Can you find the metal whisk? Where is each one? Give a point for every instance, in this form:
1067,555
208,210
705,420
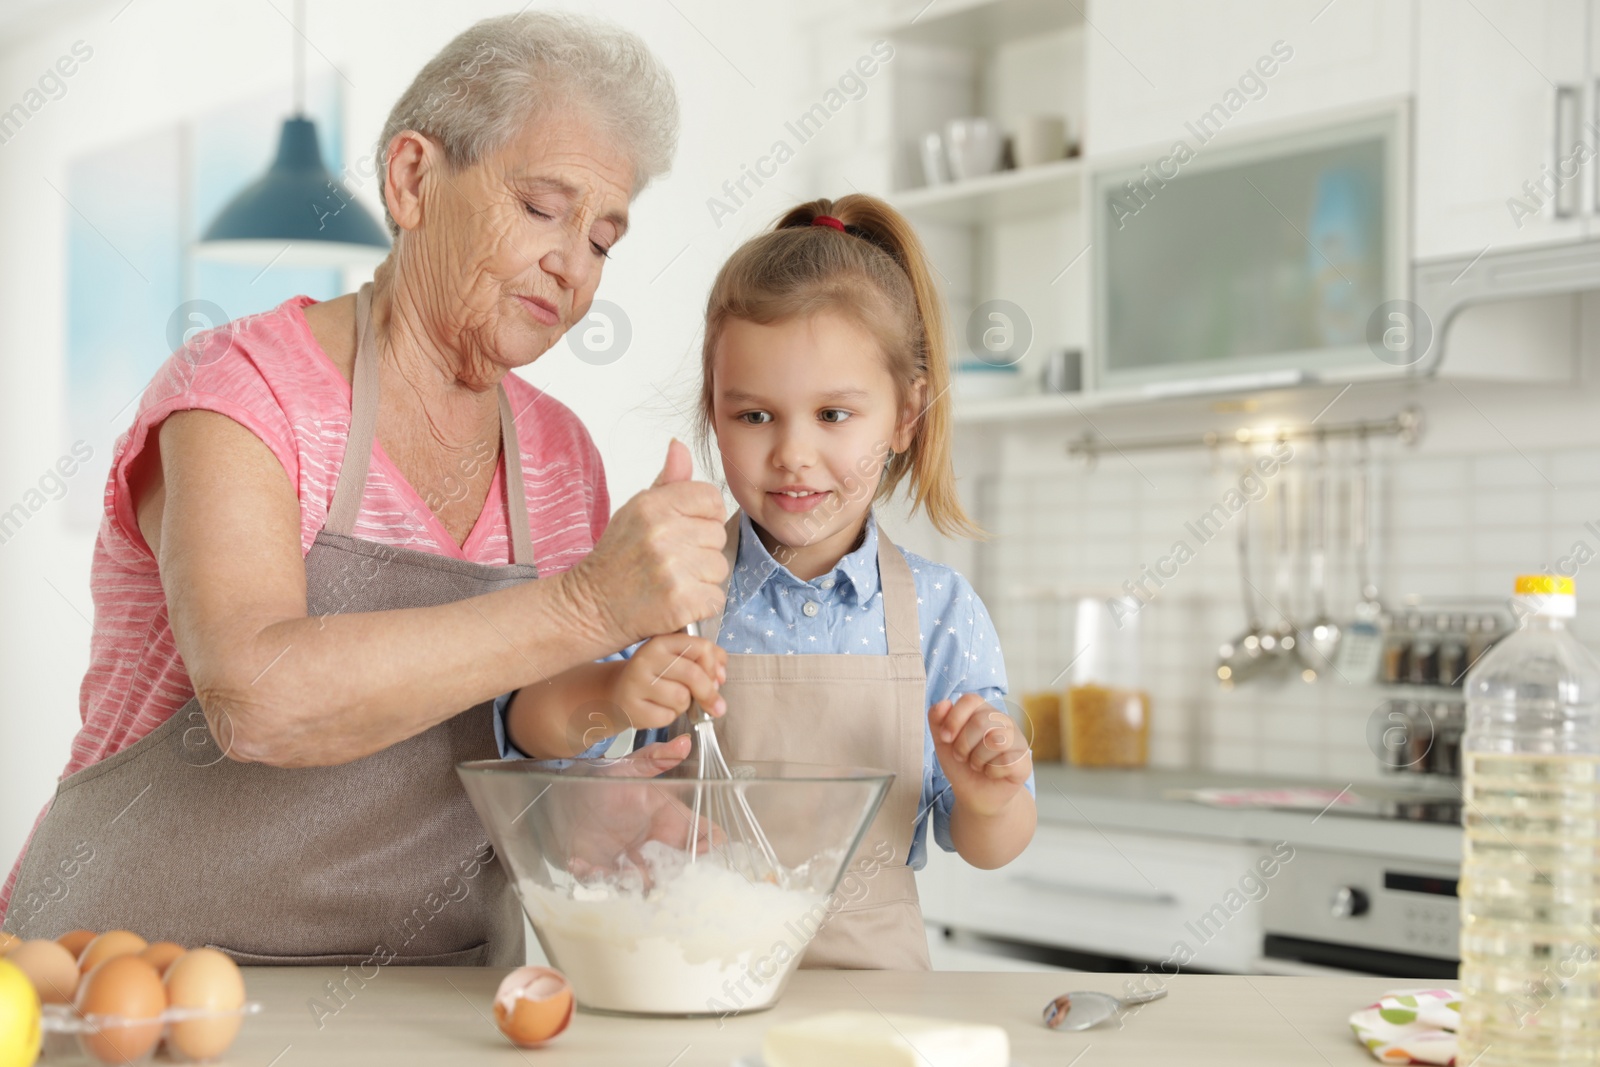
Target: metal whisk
746,846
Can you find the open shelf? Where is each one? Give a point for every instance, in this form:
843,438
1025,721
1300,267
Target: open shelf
1029,407
981,23
1035,407
1009,194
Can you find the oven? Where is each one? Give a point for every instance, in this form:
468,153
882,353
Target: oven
1347,912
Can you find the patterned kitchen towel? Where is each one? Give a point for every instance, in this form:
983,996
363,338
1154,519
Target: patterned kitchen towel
1411,1026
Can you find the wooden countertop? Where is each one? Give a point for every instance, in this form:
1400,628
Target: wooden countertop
442,1015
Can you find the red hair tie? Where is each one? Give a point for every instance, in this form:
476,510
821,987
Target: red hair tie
828,220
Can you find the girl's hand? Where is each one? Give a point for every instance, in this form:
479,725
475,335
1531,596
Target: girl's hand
655,686
982,751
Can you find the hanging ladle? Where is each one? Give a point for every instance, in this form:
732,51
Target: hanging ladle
1322,636
1244,655
1283,642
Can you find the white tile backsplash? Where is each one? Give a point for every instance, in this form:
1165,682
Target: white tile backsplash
1574,468
1449,528
1511,471
1428,510
1506,507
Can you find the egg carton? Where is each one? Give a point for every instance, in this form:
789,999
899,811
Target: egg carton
71,1039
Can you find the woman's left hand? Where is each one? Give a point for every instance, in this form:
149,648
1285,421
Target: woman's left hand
609,832
982,750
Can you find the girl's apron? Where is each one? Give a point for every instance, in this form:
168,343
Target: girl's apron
376,861
864,711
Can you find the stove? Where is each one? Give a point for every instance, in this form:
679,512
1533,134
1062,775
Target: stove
1425,803
1347,910
1440,810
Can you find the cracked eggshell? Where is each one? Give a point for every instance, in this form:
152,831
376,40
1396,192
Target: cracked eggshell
533,1005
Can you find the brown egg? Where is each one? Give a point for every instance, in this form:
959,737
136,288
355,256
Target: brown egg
160,953
533,1005
110,944
126,996
76,941
207,980
8,942
50,967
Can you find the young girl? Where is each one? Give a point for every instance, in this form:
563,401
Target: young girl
825,385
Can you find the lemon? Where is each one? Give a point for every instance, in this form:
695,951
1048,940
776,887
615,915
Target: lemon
19,1018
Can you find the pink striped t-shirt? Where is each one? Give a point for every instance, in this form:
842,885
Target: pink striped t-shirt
267,373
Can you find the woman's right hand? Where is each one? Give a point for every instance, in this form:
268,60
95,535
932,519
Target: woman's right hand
659,565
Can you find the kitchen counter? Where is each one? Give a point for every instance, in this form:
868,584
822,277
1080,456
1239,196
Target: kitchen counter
423,1015
1142,801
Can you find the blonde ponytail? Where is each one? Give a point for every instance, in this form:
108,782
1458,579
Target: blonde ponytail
877,272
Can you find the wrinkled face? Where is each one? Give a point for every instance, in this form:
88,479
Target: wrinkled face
806,413
507,253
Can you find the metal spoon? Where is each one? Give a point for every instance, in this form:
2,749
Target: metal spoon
1079,1011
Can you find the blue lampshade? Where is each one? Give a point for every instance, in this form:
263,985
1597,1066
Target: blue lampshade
298,202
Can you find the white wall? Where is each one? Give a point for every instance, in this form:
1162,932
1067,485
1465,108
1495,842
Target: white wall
155,62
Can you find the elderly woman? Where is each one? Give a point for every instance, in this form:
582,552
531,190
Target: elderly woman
321,535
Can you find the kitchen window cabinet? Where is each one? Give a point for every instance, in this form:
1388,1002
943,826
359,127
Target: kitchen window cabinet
1154,66
1505,92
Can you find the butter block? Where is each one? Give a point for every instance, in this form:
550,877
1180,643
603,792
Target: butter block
869,1039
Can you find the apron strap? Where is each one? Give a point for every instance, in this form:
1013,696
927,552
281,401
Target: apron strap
363,423
357,461
516,489
899,591
896,584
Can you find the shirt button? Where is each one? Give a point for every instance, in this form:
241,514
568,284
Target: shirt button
827,583
811,608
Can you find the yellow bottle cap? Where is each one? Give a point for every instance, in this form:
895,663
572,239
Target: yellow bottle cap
1543,585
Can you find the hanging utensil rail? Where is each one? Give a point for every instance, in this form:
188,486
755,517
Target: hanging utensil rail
1406,425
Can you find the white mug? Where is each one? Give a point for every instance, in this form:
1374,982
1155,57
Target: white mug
1039,139
973,146
935,170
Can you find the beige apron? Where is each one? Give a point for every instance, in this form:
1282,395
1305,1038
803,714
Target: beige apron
865,711
376,861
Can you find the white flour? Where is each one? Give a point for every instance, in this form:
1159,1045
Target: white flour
676,938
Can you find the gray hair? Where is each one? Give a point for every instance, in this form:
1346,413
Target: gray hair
484,86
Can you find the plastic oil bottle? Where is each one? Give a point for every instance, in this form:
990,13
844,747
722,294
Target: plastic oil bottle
1530,874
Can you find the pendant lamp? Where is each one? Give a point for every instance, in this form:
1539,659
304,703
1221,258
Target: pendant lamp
298,213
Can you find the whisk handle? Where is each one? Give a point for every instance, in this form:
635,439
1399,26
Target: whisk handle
696,713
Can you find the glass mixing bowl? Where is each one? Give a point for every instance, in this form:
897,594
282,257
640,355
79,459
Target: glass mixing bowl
645,917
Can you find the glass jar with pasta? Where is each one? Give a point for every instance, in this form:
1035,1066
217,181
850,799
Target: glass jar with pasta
1106,710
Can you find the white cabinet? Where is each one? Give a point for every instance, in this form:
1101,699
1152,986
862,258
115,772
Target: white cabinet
1503,94
1157,67
1195,903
